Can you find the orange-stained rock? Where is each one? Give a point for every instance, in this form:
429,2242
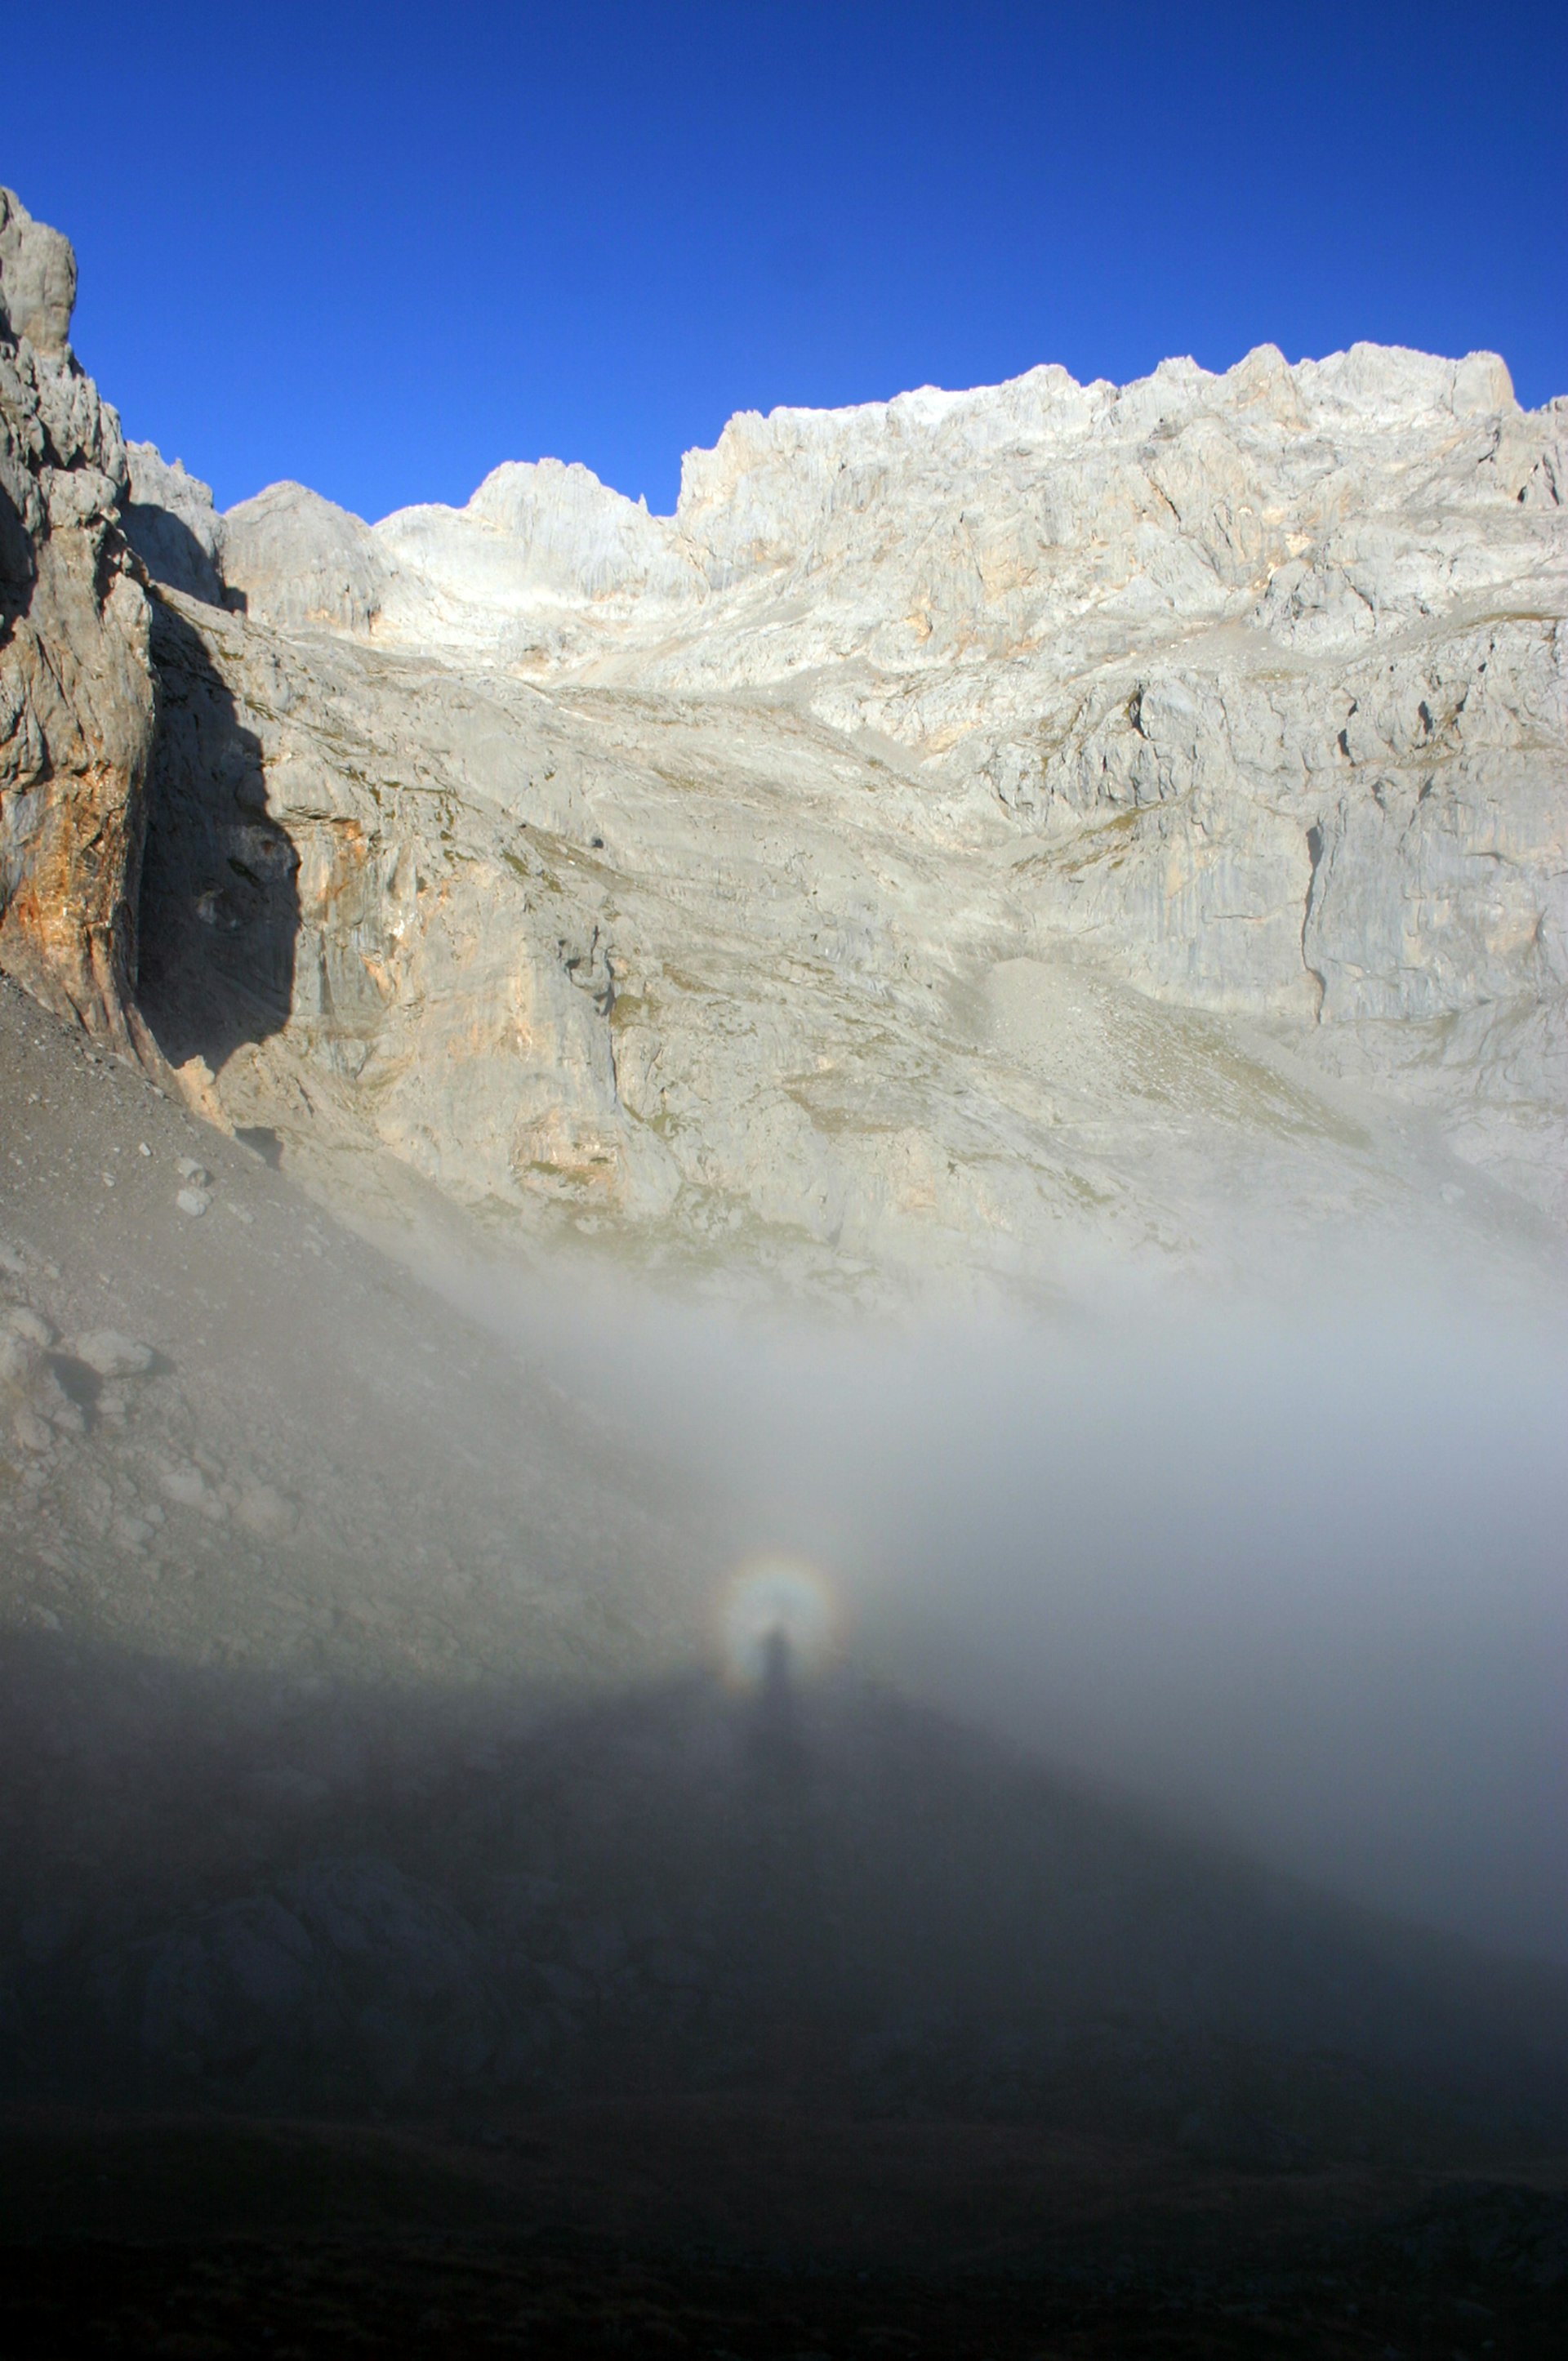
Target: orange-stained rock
76,681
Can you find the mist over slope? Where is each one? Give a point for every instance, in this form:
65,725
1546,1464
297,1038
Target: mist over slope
1293,1568
370,1738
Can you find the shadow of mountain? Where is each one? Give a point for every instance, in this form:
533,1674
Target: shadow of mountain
220,907
172,553
18,568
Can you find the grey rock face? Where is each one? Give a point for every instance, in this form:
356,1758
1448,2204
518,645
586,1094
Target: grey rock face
76,689
973,830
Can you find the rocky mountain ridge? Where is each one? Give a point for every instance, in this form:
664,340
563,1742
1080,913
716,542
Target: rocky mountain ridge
978,835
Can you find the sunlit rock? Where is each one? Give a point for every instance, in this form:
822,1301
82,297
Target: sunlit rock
975,831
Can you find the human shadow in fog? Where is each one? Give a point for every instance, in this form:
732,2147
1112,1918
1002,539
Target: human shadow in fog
219,914
785,1953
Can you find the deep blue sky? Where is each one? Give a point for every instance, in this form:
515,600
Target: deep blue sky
382,247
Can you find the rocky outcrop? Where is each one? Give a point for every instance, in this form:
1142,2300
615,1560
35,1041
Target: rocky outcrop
171,523
76,688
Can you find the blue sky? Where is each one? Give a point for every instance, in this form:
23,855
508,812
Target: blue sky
382,248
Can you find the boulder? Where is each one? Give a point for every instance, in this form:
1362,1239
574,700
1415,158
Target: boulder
110,1354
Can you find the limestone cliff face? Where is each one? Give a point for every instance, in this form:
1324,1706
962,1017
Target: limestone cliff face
1153,609
971,823
76,686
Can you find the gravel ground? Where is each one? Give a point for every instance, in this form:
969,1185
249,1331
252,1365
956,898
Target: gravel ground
233,1433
